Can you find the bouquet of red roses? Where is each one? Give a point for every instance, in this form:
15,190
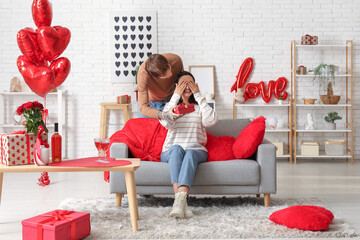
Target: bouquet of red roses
32,111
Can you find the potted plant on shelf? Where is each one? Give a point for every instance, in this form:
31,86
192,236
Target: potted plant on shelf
326,74
330,120
280,100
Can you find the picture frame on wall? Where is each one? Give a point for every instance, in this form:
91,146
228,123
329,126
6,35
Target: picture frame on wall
205,77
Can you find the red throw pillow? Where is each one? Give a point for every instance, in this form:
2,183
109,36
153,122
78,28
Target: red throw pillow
303,217
219,148
249,139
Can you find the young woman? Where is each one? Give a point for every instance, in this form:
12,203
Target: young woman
184,146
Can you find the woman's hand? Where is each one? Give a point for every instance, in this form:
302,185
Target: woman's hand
194,87
180,88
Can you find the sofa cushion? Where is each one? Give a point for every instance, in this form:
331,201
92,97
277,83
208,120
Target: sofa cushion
228,127
219,148
232,172
249,139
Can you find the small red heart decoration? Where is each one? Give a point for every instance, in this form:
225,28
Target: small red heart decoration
40,79
17,136
13,155
22,146
17,143
13,148
41,12
18,151
31,138
27,42
61,69
53,41
12,140
32,145
22,139
13,163
23,161
23,154
18,158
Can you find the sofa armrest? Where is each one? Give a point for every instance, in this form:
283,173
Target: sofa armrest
117,179
266,157
119,150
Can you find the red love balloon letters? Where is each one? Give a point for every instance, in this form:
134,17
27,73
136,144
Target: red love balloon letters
53,41
243,74
253,90
41,13
61,69
40,79
26,39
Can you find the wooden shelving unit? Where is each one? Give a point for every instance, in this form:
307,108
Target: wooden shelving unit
285,106
347,105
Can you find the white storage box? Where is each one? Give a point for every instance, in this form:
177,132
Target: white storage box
335,147
279,147
309,148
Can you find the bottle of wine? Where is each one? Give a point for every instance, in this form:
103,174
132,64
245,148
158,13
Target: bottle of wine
56,145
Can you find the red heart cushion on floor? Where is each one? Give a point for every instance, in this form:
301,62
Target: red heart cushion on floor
249,138
303,217
219,148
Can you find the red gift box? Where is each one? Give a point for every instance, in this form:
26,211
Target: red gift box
123,99
309,40
17,148
183,108
57,225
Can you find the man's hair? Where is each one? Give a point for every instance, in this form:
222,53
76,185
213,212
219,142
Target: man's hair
185,73
156,65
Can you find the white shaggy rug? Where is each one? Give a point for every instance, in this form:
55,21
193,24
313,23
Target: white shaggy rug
215,218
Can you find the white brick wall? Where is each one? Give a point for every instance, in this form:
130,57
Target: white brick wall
217,32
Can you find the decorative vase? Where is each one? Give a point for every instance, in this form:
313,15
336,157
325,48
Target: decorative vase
331,126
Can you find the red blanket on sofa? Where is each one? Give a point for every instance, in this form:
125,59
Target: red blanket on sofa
144,137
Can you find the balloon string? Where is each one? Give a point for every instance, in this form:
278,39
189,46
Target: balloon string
45,112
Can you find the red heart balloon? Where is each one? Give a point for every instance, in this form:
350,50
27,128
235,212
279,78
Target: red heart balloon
61,69
41,13
26,39
40,79
53,41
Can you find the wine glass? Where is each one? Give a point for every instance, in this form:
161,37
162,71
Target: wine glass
105,145
98,147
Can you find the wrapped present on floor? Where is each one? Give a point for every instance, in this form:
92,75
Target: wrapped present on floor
17,148
309,40
123,99
183,108
57,225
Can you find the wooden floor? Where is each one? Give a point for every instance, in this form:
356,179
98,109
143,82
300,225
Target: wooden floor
336,183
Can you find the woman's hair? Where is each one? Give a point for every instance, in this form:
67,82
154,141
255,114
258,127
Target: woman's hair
156,65
185,73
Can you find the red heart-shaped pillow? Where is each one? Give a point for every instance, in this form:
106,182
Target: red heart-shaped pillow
40,79
304,217
53,41
26,39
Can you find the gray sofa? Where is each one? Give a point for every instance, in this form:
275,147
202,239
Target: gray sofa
234,177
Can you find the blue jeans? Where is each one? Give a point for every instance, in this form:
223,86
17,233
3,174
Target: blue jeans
183,164
158,105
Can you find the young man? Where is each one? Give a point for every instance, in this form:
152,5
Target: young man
156,84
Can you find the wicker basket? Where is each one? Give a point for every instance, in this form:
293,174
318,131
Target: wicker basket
333,99
309,100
